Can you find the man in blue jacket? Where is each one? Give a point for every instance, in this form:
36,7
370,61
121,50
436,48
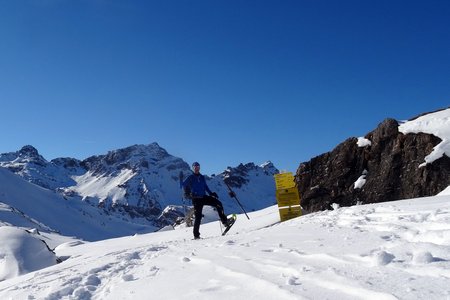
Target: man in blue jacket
195,188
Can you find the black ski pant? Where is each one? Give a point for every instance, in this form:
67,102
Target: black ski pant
198,209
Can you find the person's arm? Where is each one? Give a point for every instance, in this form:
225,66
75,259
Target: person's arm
214,194
186,182
186,186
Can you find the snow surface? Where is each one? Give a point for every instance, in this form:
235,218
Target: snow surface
445,192
103,187
363,142
393,250
438,124
361,181
22,252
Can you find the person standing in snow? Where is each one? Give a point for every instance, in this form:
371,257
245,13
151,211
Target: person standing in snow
195,188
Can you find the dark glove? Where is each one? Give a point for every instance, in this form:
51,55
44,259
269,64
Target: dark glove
214,194
232,194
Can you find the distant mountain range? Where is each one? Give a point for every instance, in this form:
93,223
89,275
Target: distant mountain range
135,189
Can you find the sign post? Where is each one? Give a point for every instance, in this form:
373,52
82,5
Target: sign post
287,196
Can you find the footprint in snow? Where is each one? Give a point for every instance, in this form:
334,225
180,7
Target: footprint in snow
156,248
133,255
154,270
292,280
92,280
128,277
389,237
268,250
81,293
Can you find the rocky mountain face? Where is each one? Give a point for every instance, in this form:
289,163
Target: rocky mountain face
254,184
29,164
384,168
140,181
23,204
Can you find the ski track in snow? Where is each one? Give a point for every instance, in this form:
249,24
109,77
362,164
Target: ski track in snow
389,251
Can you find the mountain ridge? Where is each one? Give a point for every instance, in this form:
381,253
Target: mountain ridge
139,183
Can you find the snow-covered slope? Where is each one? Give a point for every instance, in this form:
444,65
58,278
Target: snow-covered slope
438,124
21,252
29,164
395,250
144,176
24,204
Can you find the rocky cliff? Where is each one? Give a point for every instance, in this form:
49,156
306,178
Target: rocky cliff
385,165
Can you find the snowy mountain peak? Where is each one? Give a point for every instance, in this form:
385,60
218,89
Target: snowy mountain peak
136,152
29,164
133,158
29,151
269,167
28,154
240,175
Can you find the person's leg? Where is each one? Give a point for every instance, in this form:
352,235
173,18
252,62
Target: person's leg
214,202
198,208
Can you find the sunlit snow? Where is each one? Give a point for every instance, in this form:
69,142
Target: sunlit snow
438,124
394,250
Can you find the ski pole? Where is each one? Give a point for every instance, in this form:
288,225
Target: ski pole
237,200
181,177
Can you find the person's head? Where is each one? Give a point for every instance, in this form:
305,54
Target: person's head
196,167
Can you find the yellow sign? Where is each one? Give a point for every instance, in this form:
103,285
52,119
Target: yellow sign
290,212
288,197
284,180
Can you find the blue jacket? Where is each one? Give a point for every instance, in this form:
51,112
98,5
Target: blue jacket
196,185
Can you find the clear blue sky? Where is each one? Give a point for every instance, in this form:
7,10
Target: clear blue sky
219,82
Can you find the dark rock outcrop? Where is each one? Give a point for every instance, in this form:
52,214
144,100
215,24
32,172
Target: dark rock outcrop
390,164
